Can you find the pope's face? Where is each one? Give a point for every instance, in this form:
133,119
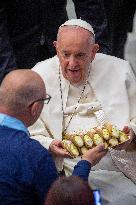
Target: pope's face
75,51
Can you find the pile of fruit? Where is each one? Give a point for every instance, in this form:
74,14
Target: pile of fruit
78,144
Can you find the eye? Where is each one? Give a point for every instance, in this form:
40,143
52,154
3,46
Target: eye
66,55
81,55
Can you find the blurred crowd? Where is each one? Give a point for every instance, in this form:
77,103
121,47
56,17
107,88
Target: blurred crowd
67,103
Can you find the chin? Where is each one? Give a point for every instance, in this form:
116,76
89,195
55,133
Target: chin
77,82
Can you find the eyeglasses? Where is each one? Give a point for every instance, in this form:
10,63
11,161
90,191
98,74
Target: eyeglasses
46,100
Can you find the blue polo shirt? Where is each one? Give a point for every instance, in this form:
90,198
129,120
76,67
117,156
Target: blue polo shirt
27,170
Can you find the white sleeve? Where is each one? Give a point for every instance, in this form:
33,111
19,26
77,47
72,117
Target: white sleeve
39,132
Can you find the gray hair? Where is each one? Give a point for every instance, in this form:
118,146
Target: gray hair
92,37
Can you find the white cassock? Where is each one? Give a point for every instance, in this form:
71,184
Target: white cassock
111,87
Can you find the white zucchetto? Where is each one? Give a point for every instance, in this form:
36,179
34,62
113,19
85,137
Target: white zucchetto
79,22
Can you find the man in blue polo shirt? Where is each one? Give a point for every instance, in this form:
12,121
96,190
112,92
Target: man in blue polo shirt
26,168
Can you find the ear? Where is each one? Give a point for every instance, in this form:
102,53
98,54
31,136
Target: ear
94,50
55,43
34,109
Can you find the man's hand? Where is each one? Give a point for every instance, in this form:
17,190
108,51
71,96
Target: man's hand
128,131
57,149
95,154
130,144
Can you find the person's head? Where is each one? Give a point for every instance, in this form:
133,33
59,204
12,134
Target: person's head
76,49
22,95
70,191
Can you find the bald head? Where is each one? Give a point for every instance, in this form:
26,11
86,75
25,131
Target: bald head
19,89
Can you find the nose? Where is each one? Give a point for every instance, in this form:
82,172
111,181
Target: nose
72,62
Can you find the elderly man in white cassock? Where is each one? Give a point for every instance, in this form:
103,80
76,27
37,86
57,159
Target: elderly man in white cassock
87,89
